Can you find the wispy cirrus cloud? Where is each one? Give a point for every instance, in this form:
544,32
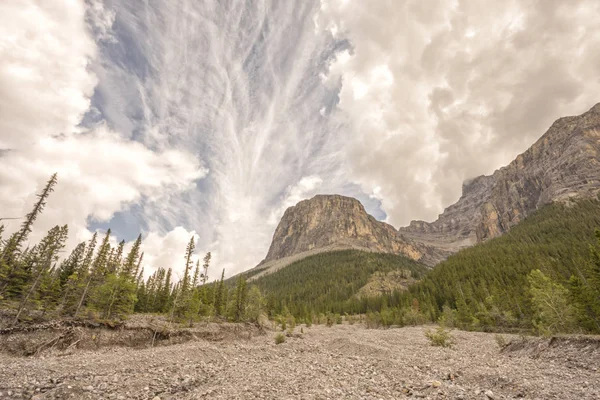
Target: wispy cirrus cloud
209,118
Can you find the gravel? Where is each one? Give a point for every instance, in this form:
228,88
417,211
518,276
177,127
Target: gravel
341,362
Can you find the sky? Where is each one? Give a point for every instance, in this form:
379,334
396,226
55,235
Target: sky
209,118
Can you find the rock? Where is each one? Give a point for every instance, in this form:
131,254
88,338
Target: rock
436,384
561,165
88,388
489,394
333,222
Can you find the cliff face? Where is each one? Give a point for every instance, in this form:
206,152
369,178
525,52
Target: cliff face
563,164
333,221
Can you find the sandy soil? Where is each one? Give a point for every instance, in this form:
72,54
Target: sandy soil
341,362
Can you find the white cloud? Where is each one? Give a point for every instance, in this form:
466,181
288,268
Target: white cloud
45,89
462,88
305,188
432,92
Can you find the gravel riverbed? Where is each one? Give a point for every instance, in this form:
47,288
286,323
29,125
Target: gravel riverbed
341,362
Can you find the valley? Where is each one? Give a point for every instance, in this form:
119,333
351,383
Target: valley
343,361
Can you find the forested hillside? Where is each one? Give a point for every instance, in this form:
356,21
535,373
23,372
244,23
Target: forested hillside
539,276
492,285
328,282
99,281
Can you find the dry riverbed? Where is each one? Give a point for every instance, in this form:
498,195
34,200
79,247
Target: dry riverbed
341,362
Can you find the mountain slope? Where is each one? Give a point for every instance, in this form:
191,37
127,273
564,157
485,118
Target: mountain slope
328,223
491,277
563,164
305,287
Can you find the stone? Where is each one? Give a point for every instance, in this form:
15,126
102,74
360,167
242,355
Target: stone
436,384
560,166
489,394
332,222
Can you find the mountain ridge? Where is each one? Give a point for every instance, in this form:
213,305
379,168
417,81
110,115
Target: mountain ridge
564,163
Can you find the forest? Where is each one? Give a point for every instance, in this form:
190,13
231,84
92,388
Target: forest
98,281
543,276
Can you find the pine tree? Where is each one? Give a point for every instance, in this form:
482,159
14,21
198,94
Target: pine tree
585,291
241,293
205,265
46,255
129,265
8,258
220,299
189,251
71,264
552,311
97,271
30,218
196,275
78,282
115,259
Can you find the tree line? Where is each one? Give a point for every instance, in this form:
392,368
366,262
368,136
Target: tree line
101,281
543,276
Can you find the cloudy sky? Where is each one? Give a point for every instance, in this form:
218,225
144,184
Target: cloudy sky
209,118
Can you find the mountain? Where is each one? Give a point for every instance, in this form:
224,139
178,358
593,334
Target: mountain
488,282
562,165
333,222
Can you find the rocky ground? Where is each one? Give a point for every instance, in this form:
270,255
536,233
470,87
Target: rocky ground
341,362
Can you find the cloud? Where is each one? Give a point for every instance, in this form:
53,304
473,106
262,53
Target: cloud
223,81
206,119
45,88
438,92
305,188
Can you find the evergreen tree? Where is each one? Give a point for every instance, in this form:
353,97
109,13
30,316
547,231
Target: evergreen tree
130,265
9,265
240,303
552,311
30,218
220,298
189,252
585,291
205,265
71,264
45,256
98,269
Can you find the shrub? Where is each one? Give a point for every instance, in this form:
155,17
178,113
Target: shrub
279,338
372,320
291,323
338,319
440,337
500,340
330,320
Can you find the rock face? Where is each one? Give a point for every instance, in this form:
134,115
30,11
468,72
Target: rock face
563,164
333,221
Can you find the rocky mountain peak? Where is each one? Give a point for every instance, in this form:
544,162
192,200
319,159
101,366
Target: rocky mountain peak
336,222
563,164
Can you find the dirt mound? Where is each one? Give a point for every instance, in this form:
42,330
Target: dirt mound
142,332
577,351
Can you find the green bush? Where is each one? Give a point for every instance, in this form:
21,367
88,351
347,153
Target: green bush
440,337
500,341
279,338
330,319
